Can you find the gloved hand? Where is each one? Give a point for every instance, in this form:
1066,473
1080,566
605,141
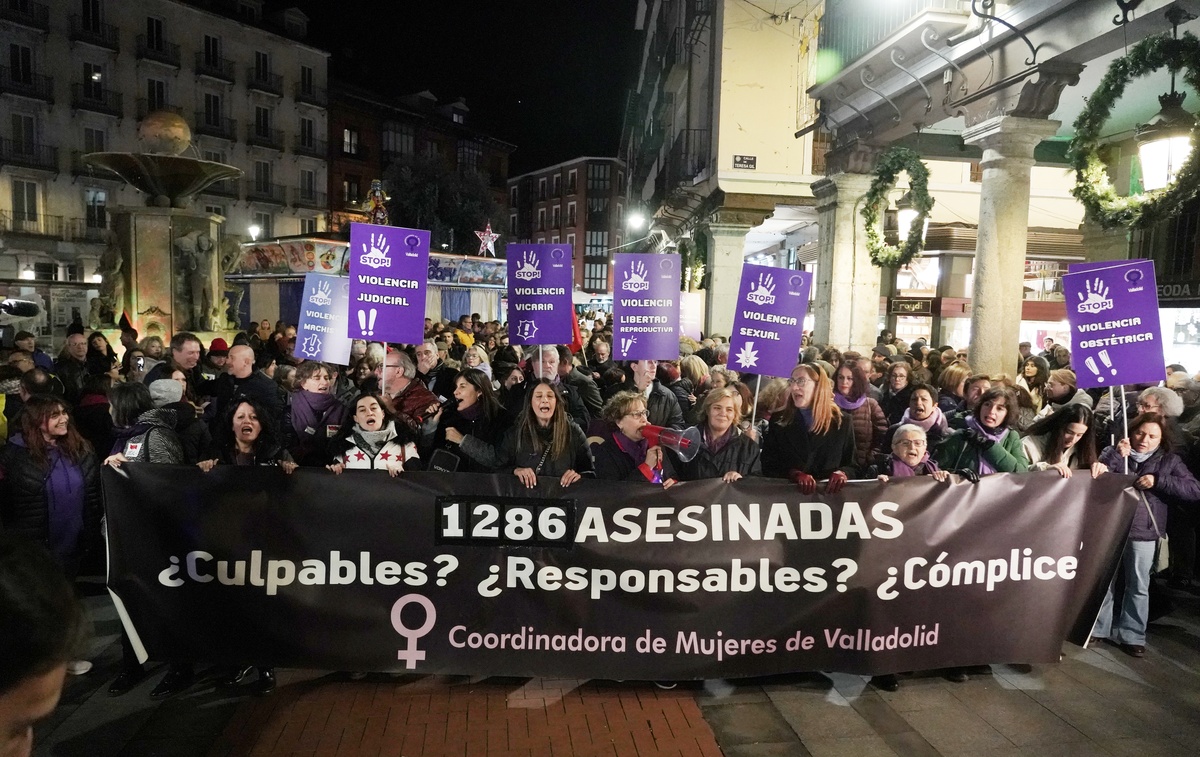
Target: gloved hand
804,482
968,474
978,439
837,480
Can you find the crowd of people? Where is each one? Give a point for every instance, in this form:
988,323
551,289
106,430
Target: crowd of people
466,400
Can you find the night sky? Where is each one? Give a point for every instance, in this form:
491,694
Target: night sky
546,75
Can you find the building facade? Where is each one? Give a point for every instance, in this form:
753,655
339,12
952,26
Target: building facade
580,202
82,75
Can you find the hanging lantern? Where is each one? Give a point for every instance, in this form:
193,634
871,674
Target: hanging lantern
1165,142
906,215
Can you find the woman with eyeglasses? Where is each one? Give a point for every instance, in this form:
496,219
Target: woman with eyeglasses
896,390
624,454
811,438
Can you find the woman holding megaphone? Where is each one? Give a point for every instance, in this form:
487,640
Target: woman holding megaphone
626,453
810,439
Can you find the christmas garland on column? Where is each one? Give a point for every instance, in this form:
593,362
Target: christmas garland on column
1092,186
890,164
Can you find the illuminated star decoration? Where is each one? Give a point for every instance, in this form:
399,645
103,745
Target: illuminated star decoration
487,240
747,357
312,345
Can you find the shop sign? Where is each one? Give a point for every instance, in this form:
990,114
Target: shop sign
912,306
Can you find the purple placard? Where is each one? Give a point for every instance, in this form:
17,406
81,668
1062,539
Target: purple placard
324,319
1115,333
645,306
389,267
769,320
540,280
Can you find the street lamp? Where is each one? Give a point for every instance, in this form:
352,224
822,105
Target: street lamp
27,273
1165,142
636,220
254,230
906,214
97,278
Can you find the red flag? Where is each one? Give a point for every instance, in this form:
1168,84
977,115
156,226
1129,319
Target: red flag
576,337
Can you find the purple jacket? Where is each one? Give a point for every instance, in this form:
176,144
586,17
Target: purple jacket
1173,485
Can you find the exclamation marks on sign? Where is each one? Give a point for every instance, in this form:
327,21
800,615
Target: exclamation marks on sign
1094,368
366,325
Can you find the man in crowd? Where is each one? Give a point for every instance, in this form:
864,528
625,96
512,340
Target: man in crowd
413,404
661,406
583,384
544,364
185,355
240,378
465,333
432,370
27,340
1048,349
71,368
40,623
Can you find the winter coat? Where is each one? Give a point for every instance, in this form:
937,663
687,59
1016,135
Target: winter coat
741,454
310,445
151,439
410,405
395,453
612,464
481,438
94,421
589,392
71,373
227,389
193,433
894,405
1036,450
1006,456
662,408
870,425
517,452
59,507
1174,486
795,448
1050,407
439,380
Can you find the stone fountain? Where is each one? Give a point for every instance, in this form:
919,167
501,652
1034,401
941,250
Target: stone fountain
164,267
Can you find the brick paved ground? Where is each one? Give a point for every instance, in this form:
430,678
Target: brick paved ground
435,716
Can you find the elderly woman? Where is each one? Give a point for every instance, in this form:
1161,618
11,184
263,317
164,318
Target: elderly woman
1064,441
987,444
896,391
314,416
910,456
1164,482
810,439
624,454
923,412
475,426
870,424
545,441
726,452
375,441
720,377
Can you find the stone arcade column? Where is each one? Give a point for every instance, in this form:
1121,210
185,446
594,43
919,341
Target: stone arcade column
846,292
1008,143
726,252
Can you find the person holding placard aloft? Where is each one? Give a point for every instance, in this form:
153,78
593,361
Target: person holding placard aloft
810,439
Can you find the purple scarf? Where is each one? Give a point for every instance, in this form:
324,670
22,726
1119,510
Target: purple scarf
715,445
996,435
848,404
901,469
471,413
315,411
936,418
636,451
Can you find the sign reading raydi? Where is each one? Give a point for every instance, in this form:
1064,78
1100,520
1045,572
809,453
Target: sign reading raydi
475,574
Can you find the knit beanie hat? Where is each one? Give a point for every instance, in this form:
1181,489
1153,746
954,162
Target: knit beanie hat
165,391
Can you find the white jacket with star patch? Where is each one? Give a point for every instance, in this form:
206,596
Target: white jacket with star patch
393,455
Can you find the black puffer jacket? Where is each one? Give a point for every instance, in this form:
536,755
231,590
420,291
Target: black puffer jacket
482,437
795,448
25,501
662,407
194,436
741,454
151,439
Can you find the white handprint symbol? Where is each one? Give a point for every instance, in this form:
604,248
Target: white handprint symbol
635,278
764,292
528,269
377,255
321,295
1097,300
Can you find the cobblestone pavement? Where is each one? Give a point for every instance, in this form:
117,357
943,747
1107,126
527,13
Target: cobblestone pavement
1095,702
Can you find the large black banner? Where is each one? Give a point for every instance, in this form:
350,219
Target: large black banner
468,574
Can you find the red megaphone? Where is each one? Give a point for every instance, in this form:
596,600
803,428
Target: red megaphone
685,444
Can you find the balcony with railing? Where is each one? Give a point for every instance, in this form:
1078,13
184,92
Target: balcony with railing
221,69
689,157
28,14
33,224
260,137
314,148
146,107
264,81
97,99
28,155
95,32
215,126
852,27
26,84
317,96
307,197
262,191
158,50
